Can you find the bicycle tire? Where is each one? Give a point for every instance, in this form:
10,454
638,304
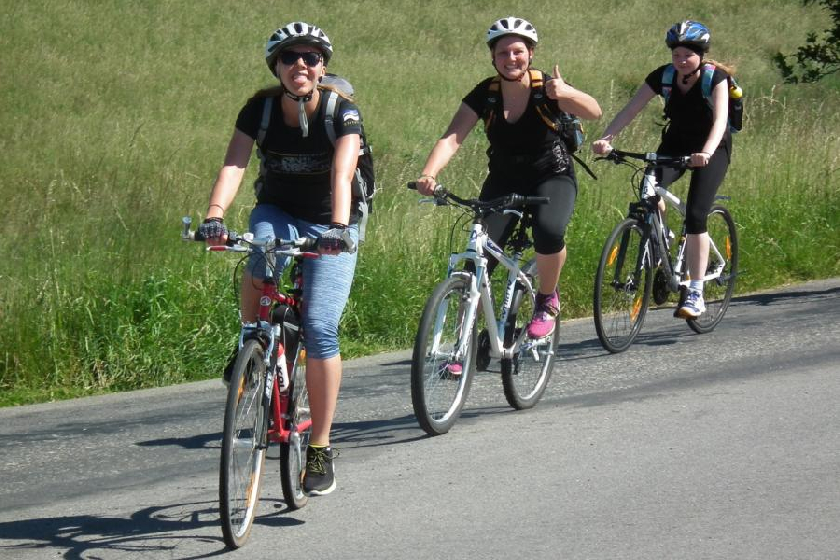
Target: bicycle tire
243,445
293,452
717,293
622,287
436,395
524,377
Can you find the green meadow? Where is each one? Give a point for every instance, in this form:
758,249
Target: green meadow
115,115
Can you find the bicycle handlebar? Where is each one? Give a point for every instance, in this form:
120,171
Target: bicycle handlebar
302,246
650,158
510,201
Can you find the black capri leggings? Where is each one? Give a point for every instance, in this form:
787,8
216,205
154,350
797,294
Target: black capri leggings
550,220
705,182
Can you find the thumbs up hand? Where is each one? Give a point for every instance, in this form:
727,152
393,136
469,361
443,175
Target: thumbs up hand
555,85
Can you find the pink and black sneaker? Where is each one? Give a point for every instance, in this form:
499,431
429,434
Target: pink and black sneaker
546,310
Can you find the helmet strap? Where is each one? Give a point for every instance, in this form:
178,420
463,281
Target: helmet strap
688,76
304,122
301,101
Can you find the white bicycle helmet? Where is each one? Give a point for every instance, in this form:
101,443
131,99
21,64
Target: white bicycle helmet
512,26
296,33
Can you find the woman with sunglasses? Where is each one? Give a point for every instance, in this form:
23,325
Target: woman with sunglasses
526,156
303,190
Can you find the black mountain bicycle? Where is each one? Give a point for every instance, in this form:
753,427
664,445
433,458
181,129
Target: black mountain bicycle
636,263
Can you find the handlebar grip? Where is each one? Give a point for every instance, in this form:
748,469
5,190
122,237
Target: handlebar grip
307,243
529,200
438,193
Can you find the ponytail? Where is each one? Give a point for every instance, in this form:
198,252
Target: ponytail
728,68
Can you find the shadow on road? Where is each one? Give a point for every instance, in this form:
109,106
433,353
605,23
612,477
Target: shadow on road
198,441
776,297
376,433
150,530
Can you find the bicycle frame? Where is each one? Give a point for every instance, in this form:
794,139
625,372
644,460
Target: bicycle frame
649,189
276,395
480,291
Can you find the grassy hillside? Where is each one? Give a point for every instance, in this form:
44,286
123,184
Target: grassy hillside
115,116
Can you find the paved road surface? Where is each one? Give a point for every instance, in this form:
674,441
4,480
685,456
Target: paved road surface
724,446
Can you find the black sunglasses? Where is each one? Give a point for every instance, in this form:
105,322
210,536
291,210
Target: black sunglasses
309,58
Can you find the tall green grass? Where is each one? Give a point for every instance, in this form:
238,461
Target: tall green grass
115,116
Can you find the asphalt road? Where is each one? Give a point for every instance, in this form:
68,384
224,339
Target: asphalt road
722,445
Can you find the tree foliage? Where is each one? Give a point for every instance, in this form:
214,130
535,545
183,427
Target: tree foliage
819,57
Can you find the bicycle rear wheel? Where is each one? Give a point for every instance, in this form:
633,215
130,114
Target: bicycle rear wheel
717,292
243,445
293,452
525,376
622,286
438,391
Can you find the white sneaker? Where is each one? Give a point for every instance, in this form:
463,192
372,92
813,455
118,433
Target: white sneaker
693,307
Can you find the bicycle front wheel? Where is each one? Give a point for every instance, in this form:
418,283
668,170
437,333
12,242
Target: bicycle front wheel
622,286
293,452
440,380
525,376
723,264
243,445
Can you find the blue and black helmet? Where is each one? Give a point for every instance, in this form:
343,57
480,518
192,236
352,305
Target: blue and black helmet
691,34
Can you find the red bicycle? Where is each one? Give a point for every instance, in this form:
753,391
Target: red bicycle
267,400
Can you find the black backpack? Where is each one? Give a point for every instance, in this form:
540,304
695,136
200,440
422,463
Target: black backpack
568,126
736,103
364,187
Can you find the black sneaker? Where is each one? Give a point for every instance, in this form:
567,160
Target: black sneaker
319,478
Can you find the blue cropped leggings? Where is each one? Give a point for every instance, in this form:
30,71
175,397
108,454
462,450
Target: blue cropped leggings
326,280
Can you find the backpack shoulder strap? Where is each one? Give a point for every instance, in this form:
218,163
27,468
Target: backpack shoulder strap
668,81
493,91
330,109
537,81
266,118
331,104
706,80
541,102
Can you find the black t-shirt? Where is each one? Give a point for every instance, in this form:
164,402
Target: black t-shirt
690,114
297,169
514,147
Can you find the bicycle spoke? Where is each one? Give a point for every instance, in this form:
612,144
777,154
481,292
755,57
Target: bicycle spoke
293,451
439,378
243,452
525,376
721,271
622,287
